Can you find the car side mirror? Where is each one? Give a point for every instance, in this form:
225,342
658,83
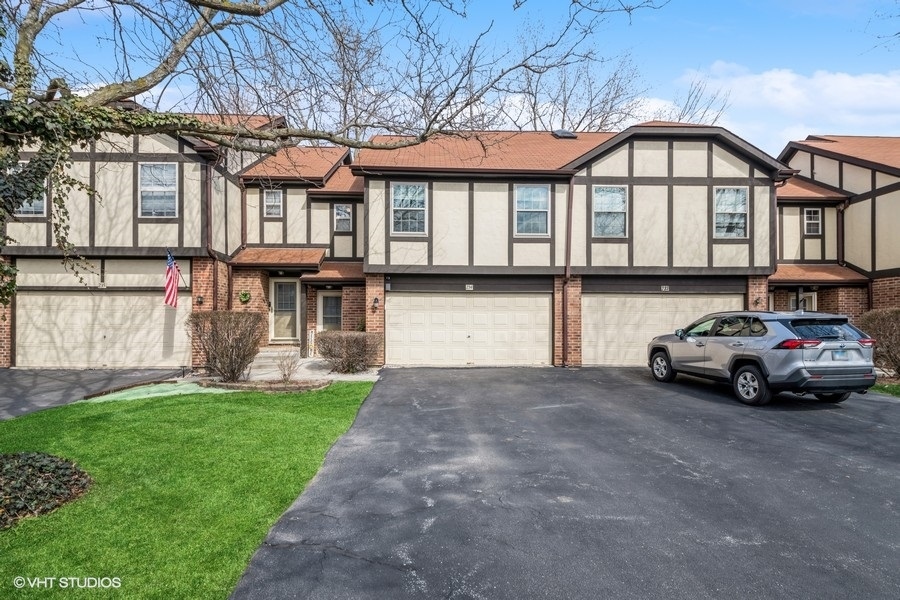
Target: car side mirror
680,333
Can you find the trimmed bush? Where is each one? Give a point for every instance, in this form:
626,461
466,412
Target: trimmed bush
347,351
33,483
229,339
883,324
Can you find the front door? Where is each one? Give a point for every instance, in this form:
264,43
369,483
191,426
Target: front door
284,310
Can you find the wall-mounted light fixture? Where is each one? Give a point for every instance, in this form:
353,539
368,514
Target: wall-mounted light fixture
375,303
199,300
757,301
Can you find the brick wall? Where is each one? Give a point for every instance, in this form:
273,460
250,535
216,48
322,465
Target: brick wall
6,336
353,308
852,302
782,300
254,281
375,316
757,292
827,300
201,285
574,321
886,292
6,325
312,307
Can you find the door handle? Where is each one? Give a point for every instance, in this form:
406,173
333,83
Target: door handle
700,344
737,344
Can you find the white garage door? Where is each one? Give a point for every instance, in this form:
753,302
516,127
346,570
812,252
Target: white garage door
617,327
468,329
101,330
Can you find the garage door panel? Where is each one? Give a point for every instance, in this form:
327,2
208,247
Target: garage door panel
468,329
617,327
100,329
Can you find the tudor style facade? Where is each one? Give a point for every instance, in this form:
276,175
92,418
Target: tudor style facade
838,247
536,248
490,248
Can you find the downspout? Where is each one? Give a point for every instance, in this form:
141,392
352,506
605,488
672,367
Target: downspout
210,169
570,198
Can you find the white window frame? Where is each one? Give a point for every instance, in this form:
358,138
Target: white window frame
594,231
348,219
517,210
142,189
809,297
269,193
745,213
817,221
320,305
424,208
32,214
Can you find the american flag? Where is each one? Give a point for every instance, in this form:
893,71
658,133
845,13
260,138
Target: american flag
172,274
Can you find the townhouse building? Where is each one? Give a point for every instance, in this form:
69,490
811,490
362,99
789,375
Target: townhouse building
481,248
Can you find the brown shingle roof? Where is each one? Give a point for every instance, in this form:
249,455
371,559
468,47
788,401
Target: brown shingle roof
816,274
491,150
336,271
341,183
299,162
297,258
248,121
800,189
882,150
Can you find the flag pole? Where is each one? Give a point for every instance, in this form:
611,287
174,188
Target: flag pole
180,274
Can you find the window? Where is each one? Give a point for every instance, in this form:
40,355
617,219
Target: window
343,217
807,302
408,205
812,218
700,329
610,211
33,207
331,312
532,210
159,190
731,212
272,202
735,326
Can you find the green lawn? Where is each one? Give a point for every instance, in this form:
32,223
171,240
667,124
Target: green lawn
185,487
887,388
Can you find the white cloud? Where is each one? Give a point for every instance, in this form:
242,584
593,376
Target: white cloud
772,107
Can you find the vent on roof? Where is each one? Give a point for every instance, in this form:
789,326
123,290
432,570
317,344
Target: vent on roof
564,134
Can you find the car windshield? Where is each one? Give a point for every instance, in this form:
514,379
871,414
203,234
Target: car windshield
825,329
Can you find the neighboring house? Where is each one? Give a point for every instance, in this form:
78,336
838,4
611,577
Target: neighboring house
838,246
490,248
231,230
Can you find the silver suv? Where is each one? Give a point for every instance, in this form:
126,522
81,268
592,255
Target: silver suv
761,353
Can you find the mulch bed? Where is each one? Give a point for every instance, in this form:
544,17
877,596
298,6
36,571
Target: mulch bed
269,386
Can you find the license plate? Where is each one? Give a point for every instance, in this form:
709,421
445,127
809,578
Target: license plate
839,355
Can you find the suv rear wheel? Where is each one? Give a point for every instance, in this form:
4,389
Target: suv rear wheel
833,398
661,367
751,387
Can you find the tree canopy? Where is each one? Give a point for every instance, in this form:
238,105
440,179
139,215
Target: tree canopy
336,70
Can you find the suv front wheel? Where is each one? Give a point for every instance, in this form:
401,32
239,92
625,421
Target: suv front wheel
751,387
661,367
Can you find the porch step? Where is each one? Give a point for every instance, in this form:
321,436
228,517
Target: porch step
265,365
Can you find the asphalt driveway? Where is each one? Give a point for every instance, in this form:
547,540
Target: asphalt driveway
592,483
27,390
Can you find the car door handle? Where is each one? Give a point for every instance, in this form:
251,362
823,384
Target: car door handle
737,344
700,344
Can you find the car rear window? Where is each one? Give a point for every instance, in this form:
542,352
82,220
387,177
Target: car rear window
825,329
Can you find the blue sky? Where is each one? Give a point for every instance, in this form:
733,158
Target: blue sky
793,67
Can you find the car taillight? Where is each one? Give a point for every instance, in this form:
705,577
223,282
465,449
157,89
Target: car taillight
797,344
866,342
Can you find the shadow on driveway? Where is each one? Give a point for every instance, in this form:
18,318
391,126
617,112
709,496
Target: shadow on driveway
23,391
